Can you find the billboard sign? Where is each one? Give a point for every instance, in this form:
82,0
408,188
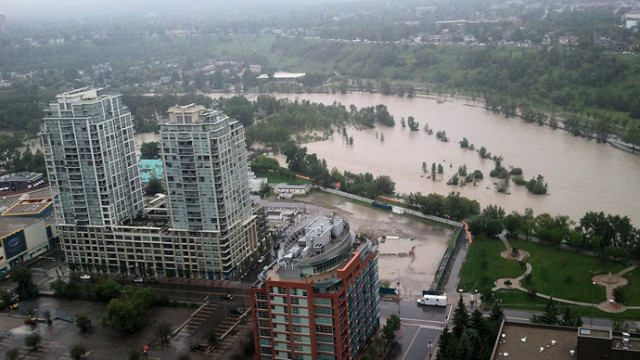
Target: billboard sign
14,244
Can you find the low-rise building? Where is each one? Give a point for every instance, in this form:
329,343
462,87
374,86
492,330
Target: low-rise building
151,169
20,181
537,341
255,183
287,191
27,229
283,76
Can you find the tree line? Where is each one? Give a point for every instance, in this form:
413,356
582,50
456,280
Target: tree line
274,122
300,162
127,307
472,336
606,235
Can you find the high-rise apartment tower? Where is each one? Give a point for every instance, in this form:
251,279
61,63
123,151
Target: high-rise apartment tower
91,160
207,180
95,184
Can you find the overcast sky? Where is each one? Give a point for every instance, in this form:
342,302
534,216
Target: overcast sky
19,10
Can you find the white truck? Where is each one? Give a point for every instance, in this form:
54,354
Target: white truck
433,300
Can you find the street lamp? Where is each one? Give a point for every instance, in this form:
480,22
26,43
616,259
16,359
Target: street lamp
398,290
475,298
592,305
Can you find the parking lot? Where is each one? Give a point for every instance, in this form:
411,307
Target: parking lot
192,325
410,249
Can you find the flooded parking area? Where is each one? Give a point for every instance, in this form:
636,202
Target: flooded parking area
410,249
62,334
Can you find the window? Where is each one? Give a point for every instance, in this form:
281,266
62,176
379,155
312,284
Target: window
324,329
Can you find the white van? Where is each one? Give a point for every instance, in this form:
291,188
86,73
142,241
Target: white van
433,300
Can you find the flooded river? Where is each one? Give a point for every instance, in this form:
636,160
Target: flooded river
582,175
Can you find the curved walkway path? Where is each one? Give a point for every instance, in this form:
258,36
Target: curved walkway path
607,281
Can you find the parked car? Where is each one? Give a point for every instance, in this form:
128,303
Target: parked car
237,311
153,281
85,277
197,348
227,297
262,259
138,280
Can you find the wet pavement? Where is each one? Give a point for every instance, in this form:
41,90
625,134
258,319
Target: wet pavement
58,338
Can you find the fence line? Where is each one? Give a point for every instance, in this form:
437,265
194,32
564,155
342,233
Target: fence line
406,211
447,265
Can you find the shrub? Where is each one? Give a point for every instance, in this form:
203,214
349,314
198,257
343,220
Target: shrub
519,180
532,293
77,352
83,322
12,354
33,341
500,173
516,171
618,295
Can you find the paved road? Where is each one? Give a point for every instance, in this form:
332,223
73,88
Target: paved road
454,277
420,325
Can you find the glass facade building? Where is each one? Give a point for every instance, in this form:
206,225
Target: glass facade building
94,173
90,155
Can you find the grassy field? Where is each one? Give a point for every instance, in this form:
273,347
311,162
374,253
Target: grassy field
483,265
275,178
565,274
515,299
558,273
632,291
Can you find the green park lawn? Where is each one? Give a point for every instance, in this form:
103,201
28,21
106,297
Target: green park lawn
558,273
483,265
632,291
516,299
565,274
275,178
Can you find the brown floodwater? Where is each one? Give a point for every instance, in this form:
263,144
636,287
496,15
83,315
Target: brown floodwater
582,175
411,250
